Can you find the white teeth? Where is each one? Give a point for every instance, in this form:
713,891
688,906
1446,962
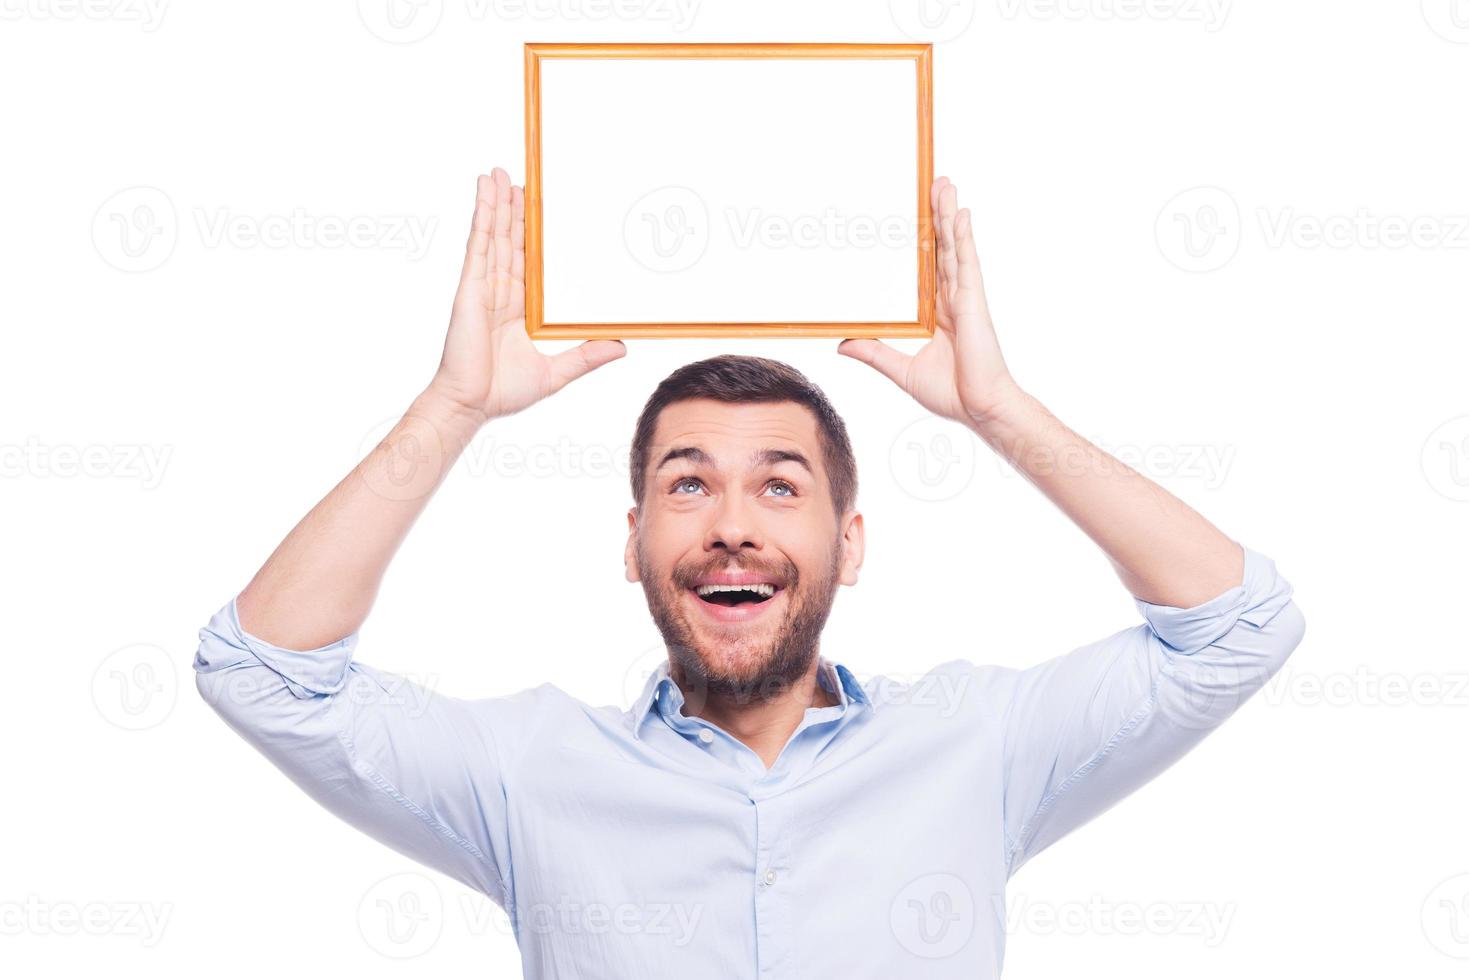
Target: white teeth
764,589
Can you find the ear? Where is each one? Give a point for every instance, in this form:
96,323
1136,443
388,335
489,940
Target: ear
853,544
630,553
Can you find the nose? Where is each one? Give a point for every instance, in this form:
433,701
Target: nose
734,526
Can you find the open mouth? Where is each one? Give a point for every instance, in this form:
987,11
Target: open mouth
735,595
734,604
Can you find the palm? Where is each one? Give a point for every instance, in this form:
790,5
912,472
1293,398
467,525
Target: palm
490,365
930,374
959,374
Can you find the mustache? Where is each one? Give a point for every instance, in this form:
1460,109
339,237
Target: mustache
685,576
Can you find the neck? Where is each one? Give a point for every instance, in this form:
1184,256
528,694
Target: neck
765,726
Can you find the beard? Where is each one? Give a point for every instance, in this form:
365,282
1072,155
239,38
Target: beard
761,666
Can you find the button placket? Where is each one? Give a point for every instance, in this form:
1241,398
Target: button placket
771,873
764,940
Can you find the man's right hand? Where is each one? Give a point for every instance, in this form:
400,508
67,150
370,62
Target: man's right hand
490,367
319,584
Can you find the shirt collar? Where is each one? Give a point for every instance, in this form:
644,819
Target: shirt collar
832,676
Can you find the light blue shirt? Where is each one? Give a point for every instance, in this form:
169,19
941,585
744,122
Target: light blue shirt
644,843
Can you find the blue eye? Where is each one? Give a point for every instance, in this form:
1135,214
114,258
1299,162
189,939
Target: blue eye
674,487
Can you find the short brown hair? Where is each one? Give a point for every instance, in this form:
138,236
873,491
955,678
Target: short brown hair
740,378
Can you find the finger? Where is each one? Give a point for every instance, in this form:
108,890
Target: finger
890,362
517,232
933,194
968,255
934,190
569,365
515,303
477,249
500,257
948,260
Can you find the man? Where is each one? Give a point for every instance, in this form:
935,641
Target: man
757,812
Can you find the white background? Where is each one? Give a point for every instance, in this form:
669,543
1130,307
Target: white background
738,190
1304,392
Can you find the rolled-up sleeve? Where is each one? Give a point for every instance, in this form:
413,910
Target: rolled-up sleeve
414,769
1085,729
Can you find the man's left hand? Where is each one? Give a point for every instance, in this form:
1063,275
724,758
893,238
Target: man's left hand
960,373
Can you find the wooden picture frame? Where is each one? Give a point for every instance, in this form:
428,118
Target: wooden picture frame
923,322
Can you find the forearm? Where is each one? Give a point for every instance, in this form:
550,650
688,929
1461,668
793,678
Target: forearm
1164,551
320,582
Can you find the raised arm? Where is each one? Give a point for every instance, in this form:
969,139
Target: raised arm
420,771
320,583
1164,551
1082,730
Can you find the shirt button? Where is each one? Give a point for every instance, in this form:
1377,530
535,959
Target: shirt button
706,736
770,876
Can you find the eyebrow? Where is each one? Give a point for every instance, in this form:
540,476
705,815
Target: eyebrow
760,457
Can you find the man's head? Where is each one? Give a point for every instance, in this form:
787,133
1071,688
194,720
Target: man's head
742,474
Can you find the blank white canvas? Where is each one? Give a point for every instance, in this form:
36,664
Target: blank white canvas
729,190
